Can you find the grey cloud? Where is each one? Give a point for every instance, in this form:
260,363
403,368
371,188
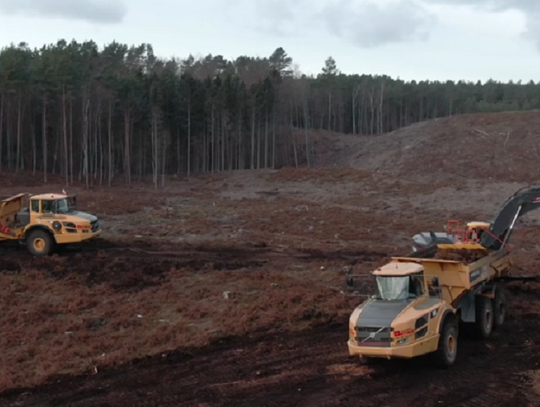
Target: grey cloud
494,5
99,11
532,30
273,17
366,23
530,8
371,24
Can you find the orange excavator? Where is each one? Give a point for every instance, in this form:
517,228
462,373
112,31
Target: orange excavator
492,235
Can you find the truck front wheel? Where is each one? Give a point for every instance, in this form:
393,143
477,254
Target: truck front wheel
40,243
446,353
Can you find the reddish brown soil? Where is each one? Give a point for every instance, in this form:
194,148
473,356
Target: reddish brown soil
463,255
309,368
229,289
502,147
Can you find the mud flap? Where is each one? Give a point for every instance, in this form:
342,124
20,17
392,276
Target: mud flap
468,307
467,304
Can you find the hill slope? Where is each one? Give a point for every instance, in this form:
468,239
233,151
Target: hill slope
501,146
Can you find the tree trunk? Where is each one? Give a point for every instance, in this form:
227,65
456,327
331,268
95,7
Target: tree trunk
253,136
85,143
71,140
65,138
109,144
127,145
274,137
189,136
306,133
18,161
266,140
44,138
2,130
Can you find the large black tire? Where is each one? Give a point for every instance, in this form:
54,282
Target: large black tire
499,307
40,243
483,325
446,353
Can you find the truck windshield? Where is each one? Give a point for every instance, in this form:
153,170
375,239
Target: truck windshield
399,288
393,288
62,206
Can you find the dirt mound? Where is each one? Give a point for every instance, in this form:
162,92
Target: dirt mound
318,175
499,146
466,256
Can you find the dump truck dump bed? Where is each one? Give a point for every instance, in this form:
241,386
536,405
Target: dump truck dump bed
11,205
457,277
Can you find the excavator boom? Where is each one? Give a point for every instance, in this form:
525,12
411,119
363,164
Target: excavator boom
501,228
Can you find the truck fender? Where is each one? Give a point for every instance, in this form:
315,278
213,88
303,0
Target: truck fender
37,227
448,313
488,291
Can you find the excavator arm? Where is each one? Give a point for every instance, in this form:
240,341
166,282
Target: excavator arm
501,228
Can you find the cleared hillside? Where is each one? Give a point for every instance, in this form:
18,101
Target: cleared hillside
502,146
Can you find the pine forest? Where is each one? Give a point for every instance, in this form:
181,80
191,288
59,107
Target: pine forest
96,114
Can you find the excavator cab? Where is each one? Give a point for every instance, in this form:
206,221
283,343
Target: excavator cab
471,233
454,233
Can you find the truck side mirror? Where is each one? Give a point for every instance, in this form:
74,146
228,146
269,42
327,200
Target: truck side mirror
435,282
72,199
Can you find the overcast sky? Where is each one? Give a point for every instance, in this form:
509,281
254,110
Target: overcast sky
412,39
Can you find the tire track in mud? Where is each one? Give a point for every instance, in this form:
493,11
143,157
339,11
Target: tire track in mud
232,257
310,369
306,369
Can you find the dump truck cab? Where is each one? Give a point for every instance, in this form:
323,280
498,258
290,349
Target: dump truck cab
402,319
45,221
55,214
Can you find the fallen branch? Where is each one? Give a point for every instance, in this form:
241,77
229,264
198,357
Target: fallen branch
482,132
506,141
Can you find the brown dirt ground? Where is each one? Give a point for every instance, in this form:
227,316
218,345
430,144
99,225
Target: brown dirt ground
502,147
229,289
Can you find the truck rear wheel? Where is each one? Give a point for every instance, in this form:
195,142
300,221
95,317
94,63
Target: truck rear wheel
484,317
40,243
446,353
499,307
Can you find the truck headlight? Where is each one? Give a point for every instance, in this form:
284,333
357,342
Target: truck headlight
403,341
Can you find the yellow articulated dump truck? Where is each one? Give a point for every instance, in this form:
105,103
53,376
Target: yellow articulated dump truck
420,302
45,221
422,299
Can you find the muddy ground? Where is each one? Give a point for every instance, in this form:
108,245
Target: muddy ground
273,367
229,290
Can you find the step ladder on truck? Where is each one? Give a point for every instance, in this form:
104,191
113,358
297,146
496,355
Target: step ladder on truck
422,298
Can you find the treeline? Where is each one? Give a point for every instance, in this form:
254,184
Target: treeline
92,114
